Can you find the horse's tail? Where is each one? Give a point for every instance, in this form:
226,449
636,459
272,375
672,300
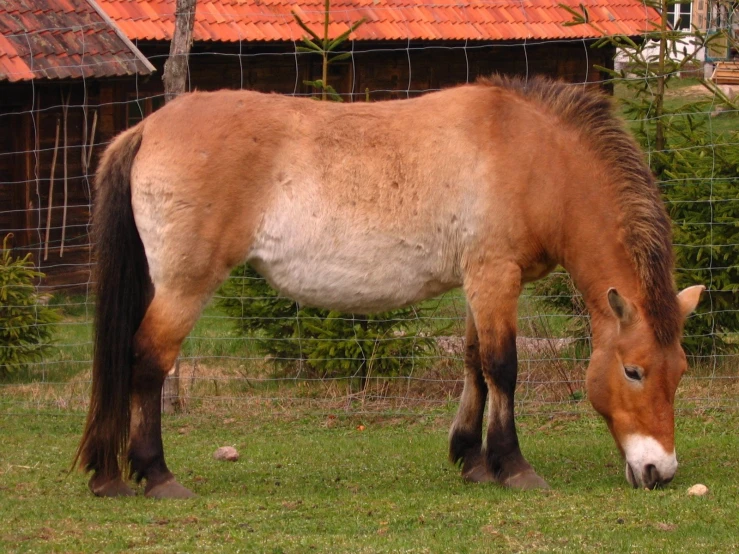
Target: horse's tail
122,294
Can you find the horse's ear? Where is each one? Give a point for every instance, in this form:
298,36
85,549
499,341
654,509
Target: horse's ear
622,308
688,299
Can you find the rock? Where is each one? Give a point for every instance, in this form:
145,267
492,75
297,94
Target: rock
698,490
226,453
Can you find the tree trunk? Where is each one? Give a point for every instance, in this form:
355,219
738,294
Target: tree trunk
175,68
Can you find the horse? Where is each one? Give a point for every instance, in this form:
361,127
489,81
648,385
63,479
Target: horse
366,207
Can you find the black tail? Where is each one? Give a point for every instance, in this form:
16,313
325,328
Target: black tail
123,291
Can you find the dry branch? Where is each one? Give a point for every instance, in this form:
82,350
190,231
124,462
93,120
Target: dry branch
51,190
65,115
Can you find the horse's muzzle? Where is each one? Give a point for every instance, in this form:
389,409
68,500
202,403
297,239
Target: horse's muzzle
649,477
648,465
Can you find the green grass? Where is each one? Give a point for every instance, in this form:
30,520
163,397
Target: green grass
317,484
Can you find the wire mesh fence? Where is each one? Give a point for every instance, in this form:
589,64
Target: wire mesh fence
53,132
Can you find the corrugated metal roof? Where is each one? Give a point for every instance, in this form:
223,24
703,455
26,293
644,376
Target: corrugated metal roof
63,39
271,20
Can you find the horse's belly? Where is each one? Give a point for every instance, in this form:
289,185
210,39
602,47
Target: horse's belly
335,265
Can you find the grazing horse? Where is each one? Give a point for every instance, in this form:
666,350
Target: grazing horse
369,207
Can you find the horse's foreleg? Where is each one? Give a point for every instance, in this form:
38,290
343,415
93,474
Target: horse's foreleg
494,305
167,322
465,435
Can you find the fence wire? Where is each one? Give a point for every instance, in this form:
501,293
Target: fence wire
393,363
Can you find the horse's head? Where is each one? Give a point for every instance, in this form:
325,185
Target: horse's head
631,382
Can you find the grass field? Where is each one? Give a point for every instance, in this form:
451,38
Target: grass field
325,484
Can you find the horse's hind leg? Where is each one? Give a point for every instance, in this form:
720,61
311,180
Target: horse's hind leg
168,320
493,300
465,435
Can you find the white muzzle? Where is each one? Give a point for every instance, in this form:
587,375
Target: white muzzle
648,464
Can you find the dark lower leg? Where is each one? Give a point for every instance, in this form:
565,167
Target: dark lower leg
502,451
465,435
503,455
145,450
157,343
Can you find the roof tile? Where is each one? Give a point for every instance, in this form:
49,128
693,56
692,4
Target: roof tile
61,39
270,20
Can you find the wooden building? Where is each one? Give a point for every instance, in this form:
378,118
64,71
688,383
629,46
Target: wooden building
82,61
64,72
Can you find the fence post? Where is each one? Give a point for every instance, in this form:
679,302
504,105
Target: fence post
175,83
171,390
175,68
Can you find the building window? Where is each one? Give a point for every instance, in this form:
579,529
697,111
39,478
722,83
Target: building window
679,15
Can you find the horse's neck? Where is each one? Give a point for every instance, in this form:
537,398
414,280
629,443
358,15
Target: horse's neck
597,261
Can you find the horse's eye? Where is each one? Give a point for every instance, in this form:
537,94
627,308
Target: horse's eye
633,372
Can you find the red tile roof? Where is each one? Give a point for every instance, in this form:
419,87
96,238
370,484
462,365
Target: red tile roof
270,20
63,39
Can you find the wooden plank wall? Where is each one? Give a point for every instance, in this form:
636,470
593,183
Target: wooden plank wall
387,69
28,145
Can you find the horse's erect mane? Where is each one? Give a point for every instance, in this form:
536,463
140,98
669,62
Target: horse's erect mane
646,225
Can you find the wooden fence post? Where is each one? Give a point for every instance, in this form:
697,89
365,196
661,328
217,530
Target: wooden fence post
175,68
171,392
175,83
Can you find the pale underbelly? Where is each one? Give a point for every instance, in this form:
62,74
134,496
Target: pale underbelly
353,270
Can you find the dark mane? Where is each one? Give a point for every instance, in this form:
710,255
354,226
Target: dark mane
646,225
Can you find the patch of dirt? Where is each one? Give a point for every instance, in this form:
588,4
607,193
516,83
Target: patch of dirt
531,345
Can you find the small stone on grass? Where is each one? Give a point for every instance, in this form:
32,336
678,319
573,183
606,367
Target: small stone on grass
226,453
698,490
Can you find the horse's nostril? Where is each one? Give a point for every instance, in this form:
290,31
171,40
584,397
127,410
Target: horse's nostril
651,475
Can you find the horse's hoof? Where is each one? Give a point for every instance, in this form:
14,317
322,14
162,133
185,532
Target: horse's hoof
475,470
110,488
478,474
169,489
525,481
